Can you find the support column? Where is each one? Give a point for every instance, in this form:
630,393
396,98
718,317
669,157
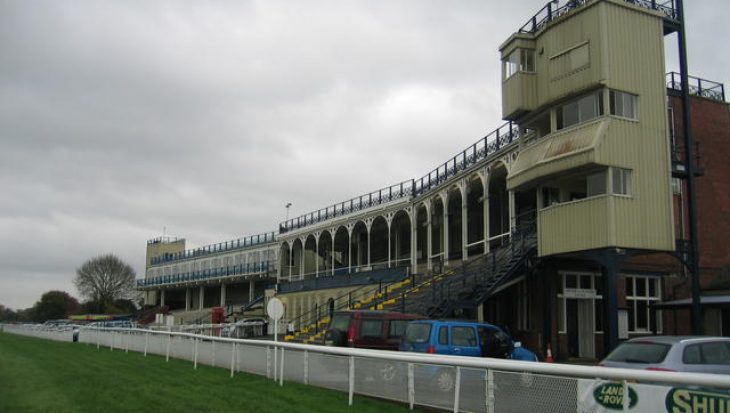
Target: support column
187,299
429,239
291,260
485,207
202,298
162,298
445,235
333,234
349,250
301,261
512,215
414,241
223,295
610,260
251,290
316,255
464,228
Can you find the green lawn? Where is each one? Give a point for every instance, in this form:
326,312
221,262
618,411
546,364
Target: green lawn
46,376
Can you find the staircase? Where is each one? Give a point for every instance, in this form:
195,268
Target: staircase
438,295
315,322
469,285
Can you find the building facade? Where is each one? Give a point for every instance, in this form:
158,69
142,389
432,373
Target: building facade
562,224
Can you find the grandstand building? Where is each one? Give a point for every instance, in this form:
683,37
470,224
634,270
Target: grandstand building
562,224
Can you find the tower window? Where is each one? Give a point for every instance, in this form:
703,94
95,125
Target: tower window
520,60
580,110
623,104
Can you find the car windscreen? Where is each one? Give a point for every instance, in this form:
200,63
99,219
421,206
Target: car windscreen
418,332
340,322
639,352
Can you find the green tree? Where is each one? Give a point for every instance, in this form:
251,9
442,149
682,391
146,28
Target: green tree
54,305
104,279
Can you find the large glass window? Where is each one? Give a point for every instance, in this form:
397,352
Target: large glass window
579,110
623,104
520,60
641,292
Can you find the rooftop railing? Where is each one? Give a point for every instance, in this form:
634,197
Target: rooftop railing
240,243
697,86
481,149
557,8
164,240
378,197
209,274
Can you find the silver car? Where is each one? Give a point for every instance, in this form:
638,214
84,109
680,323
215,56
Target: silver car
694,354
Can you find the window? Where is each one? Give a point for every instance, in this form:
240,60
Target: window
623,104
371,328
444,335
707,353
520,60
463,336
397,328
641,292
596,184
418,333
579,110
621,181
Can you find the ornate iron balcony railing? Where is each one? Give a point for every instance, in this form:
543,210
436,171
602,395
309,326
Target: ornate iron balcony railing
697,86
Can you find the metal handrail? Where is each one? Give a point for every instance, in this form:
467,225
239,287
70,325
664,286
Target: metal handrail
697,86
556,8
240,243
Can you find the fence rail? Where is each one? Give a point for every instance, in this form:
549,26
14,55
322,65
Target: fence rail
453,383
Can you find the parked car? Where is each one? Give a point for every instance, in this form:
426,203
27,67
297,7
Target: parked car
380,330
462,338
673,353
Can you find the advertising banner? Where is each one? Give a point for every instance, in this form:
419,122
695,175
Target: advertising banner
600,396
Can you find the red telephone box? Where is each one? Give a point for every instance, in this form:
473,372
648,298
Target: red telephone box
218,317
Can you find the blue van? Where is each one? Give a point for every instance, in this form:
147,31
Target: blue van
462,338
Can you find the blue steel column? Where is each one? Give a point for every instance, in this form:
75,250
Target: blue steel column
693,263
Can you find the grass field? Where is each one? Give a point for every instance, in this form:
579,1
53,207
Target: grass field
46,376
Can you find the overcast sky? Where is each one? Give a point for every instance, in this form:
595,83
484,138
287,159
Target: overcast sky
121,118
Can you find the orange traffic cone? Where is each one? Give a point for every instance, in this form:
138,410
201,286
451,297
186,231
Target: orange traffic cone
549,355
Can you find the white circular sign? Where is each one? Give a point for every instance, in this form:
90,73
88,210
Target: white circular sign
275,308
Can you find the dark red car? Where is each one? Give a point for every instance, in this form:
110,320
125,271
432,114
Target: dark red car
380,330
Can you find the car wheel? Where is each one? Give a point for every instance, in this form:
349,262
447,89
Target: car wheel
445,380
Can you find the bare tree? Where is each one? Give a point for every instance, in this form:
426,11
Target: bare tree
104,279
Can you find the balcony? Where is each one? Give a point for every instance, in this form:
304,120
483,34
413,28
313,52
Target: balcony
519,95
574,226
207,276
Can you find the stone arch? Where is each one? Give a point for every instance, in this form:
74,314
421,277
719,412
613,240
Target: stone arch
400,238
454,216
475,214
310,253
359,245
324,252
284,260
437,227
498,196
379,242
341,249
297,250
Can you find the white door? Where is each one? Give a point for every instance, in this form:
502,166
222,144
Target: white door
586,328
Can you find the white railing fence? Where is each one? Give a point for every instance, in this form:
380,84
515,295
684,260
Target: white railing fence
451,383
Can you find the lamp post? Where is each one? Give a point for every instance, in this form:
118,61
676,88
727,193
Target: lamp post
288,205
